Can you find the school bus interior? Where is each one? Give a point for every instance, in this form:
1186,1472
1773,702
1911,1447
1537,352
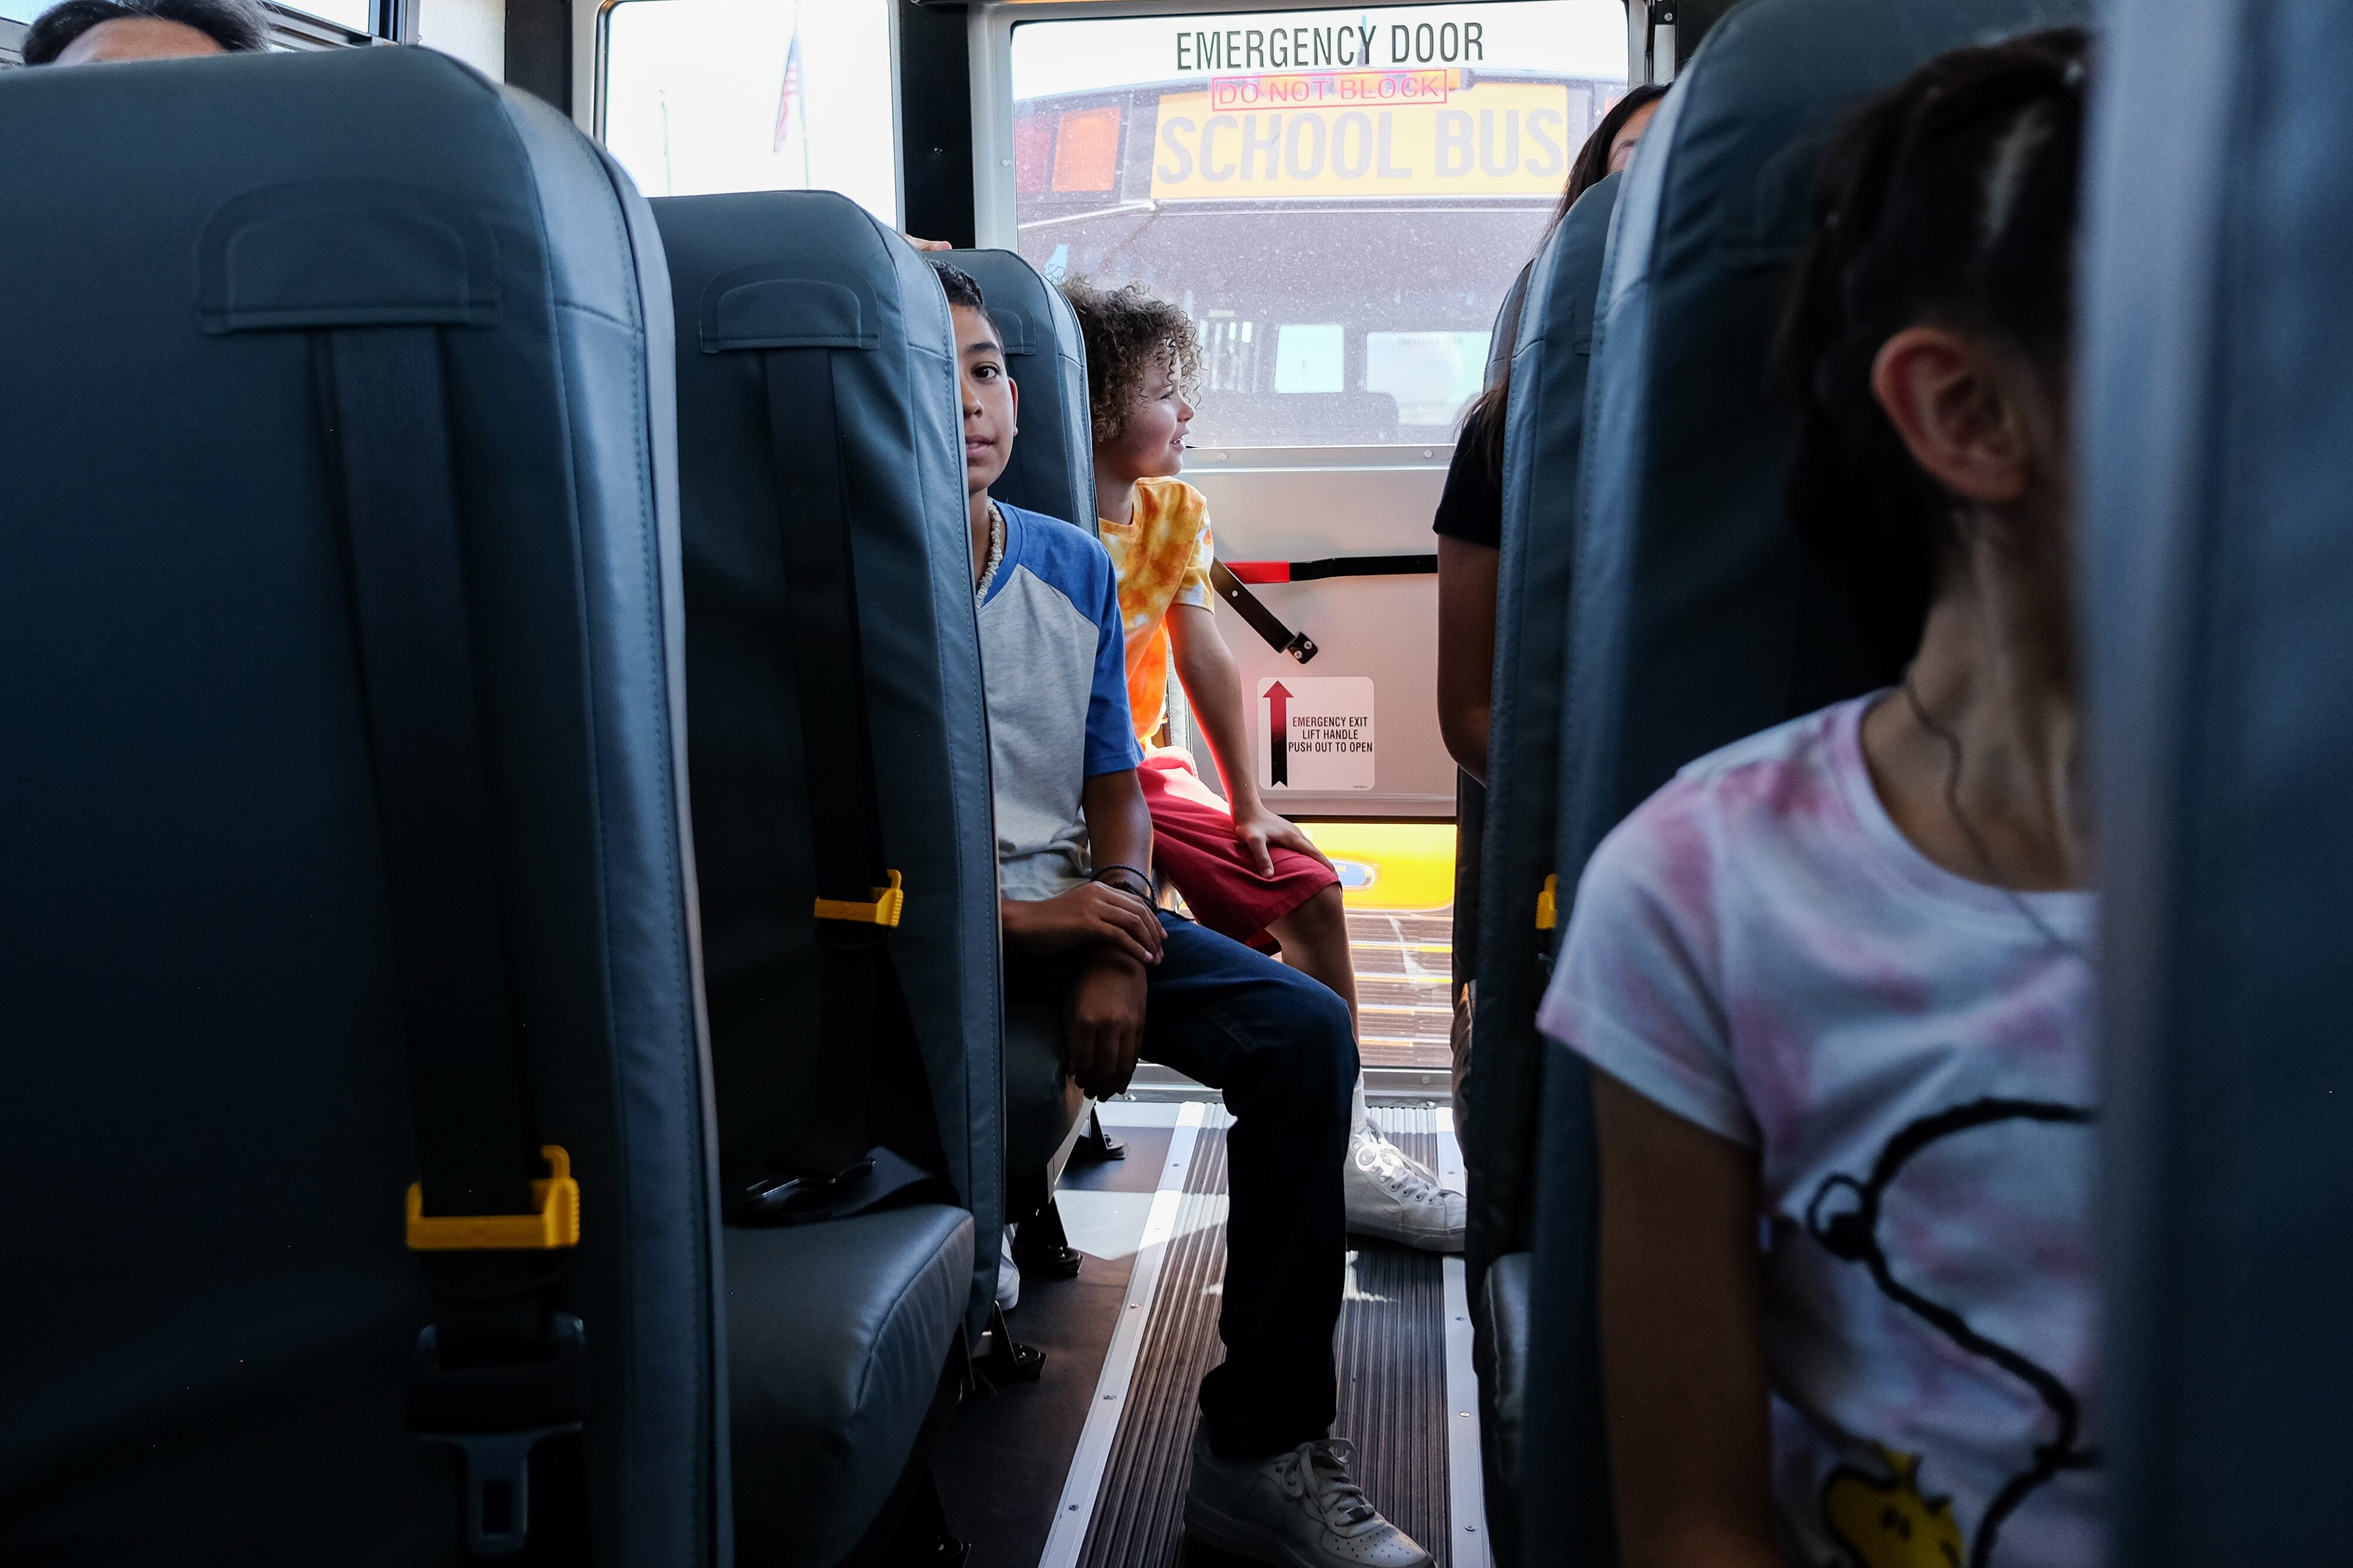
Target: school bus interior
508,1052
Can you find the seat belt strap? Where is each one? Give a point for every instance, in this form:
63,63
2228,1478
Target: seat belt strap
857,897
491,1210
1263,621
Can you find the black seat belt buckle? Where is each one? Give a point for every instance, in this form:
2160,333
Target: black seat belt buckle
786,1200
494,1413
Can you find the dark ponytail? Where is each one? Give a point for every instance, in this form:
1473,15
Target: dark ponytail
1951,200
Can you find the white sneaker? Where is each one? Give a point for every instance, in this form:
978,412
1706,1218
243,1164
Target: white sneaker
1008,1278
1396,1198
1298,1509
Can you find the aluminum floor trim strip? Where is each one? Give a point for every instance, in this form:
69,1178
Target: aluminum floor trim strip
1075,1512
1466,1492
1395,1391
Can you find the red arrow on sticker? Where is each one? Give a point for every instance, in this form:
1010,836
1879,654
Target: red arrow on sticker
1277,708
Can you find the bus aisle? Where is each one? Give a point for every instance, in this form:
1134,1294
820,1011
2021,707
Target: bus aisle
1087,1467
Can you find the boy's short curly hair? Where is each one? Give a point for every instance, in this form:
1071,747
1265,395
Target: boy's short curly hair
1127,330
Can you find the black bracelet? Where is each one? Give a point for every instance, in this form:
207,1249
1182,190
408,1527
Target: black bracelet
1145,881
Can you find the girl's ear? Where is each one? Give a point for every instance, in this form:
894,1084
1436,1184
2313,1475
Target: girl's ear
1955,407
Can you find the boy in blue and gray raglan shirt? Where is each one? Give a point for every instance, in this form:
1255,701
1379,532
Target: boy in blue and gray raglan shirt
1074,864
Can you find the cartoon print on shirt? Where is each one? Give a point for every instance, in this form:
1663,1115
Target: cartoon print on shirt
1885,1523
1844,1217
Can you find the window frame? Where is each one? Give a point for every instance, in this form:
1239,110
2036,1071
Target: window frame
991,25
994,198
590,73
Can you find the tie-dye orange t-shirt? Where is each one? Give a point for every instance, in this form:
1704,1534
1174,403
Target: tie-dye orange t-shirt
1162,556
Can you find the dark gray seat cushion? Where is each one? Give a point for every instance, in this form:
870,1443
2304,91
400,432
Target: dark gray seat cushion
837,1333
1506,1327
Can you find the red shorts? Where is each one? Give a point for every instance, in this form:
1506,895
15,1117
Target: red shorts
1193,841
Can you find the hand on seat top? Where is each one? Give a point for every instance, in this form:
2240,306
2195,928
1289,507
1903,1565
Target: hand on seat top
1102,1023
1093,914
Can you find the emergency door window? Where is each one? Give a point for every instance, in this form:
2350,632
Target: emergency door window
1340,200
701,95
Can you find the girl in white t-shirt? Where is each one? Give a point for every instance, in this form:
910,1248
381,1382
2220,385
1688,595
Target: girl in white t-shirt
1834,976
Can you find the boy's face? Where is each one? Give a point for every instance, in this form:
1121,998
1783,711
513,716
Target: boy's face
1151,444
990,399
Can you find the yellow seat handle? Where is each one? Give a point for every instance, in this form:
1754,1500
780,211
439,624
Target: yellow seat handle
557,1222
883,911
1548,902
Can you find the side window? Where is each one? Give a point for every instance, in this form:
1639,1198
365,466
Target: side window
1350,191
701,95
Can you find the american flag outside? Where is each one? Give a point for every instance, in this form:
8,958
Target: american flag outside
791,114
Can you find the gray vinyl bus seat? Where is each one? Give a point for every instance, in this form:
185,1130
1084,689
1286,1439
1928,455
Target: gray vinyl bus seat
207,1116
838,1336
1543,435
1052,468
1469,795
2214,377
805,284
1694,616
1052,471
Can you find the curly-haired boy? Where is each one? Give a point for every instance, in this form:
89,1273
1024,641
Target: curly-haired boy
1245,871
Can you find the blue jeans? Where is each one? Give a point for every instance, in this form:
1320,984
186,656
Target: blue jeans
1280,1047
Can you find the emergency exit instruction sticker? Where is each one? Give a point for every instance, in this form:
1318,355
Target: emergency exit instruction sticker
1316,733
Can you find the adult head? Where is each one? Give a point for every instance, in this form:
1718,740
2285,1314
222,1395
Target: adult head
96,32
1611,146
1925,337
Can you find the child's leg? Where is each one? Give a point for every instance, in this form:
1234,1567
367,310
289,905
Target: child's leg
1315,939
1279,1045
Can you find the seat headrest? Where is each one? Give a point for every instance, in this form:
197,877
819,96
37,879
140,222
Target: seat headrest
1698,619
1052,468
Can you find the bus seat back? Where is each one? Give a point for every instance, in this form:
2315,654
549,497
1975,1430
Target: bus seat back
206,1094
1052,468
1543,436
787,272
819,417
2215,387
1694,617
1697,618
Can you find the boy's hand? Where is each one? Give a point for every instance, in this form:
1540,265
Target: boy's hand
1102,1023
1091,914
1257,829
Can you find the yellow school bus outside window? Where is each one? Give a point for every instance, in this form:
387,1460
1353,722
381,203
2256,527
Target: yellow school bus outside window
1339,200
